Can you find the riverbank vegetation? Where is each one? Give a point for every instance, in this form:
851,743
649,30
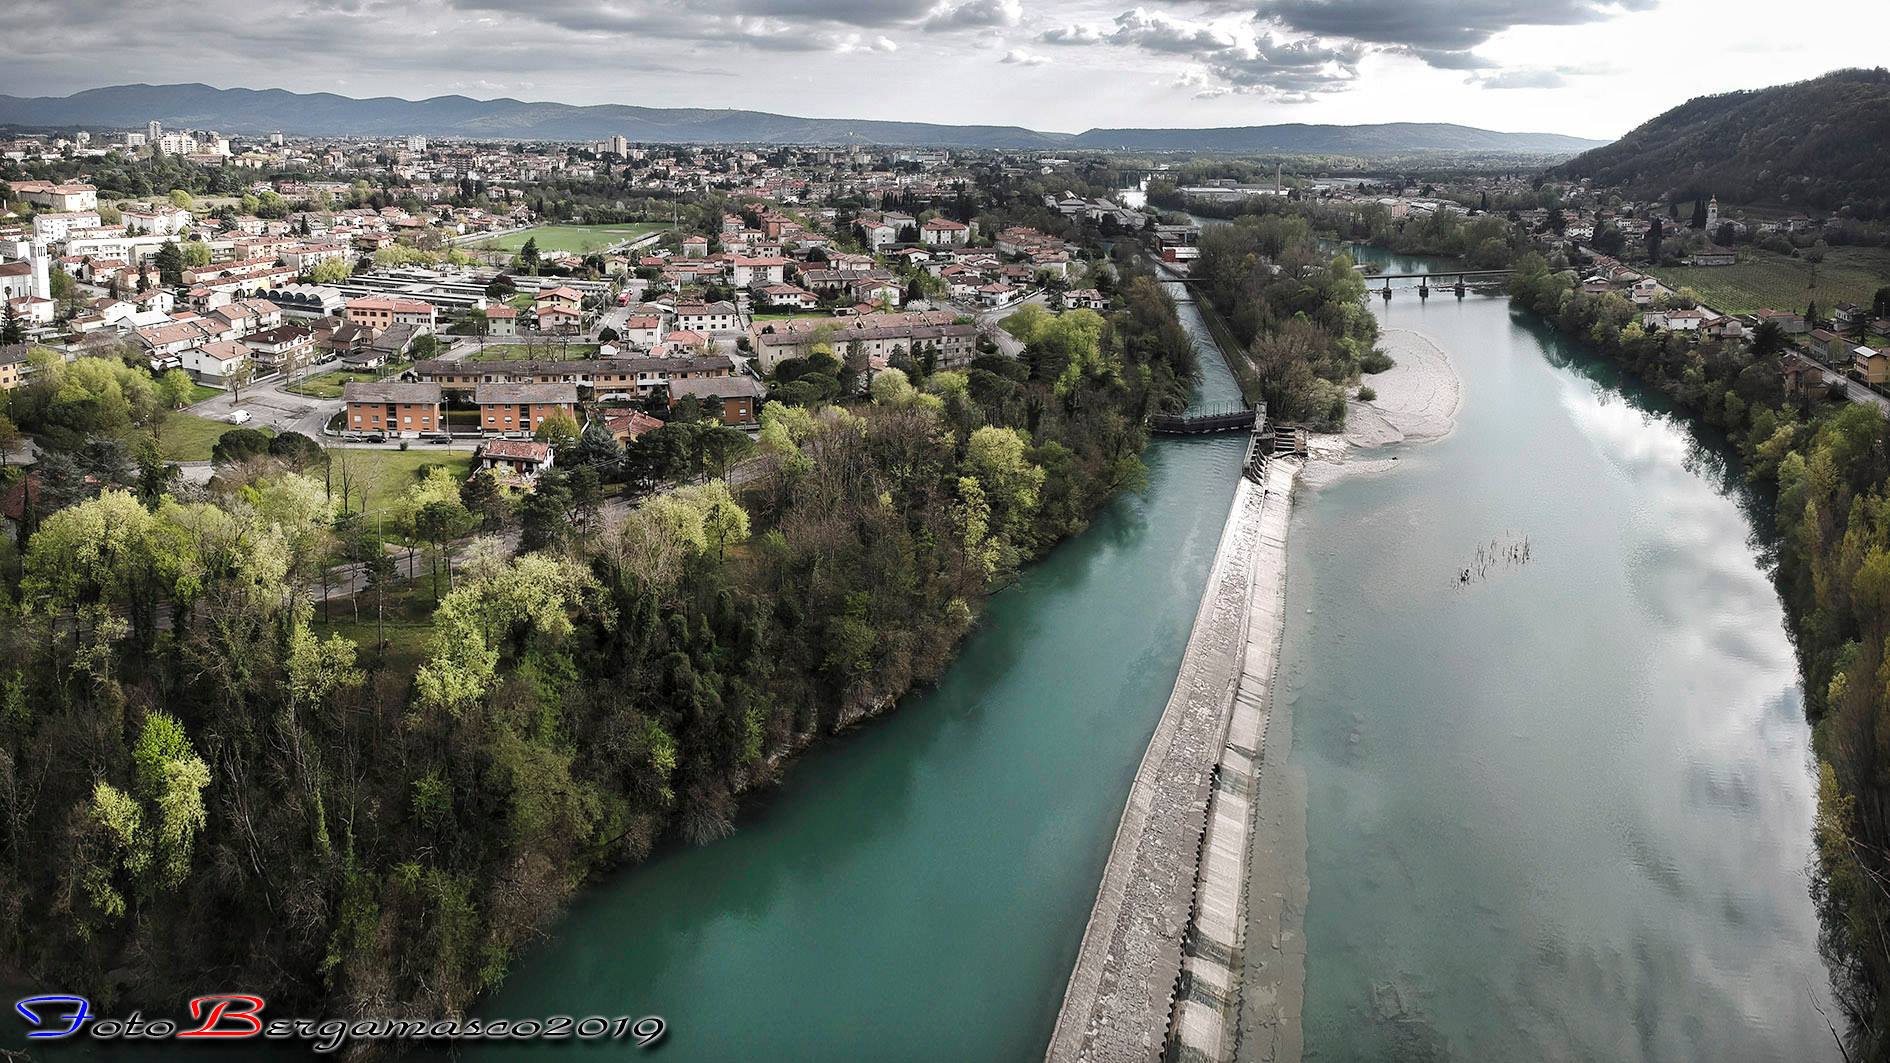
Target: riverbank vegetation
1830,466
1297,312
201,782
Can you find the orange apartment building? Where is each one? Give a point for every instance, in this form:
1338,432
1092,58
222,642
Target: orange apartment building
392,407
380,312
518,409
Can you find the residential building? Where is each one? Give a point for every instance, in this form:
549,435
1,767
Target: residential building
569,298
642,330
12,366
379,311
515,460
559,320
708,317
213,363
501,321
1871,365
392,407
1791,324
518,409
943,232
739,396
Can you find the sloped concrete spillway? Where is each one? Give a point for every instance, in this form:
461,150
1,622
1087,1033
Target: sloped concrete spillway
1159,967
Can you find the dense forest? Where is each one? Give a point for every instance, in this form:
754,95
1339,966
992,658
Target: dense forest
1830,466
1297,311
1818,145
197,788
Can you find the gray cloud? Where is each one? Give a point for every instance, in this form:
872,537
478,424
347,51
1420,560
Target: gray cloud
1440,32
1019,57
1160,33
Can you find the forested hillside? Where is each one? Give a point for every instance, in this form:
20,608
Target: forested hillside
1819,145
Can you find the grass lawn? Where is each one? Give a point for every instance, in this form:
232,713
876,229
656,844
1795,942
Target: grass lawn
200,392
1763,279
512,352
408,621
188,437
388,473
328,385
578,238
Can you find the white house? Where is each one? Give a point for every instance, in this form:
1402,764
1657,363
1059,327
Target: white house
57,225
707,317
214,361
642,330
943,232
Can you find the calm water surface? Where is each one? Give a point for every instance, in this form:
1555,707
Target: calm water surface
1562,811
917,889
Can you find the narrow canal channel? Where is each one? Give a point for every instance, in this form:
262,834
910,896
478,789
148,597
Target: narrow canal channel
1561,811
916,890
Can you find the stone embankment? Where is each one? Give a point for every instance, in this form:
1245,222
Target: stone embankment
1161,956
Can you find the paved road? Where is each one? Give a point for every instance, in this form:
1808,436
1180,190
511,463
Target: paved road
988,323
269,405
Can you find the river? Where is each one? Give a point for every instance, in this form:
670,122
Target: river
917,888
1559,812
1562,811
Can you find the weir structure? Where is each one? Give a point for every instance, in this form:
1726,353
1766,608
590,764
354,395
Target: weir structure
1158,973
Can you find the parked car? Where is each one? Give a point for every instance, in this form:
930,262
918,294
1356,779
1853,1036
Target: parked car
238,417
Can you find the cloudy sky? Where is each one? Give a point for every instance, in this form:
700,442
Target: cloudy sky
1587,67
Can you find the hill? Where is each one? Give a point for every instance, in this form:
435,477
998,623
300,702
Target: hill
1299,139
1821,145
327,114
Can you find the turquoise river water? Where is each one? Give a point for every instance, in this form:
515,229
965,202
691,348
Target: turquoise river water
1559,812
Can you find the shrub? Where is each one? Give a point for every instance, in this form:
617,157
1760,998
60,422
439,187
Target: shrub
1374,361
1367,394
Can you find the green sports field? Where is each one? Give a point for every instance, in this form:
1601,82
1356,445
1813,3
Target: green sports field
1764,280
578,238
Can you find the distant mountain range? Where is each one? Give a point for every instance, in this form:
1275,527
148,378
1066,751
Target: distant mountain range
1822,145
326,114
1386,138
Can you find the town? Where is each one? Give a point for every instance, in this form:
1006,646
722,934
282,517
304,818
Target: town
1428,557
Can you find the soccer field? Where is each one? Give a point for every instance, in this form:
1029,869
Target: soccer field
1763,280
578,238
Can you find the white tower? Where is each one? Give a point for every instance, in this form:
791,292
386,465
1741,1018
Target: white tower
1712,214
152,131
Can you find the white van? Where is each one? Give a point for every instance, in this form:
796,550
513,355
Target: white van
239,417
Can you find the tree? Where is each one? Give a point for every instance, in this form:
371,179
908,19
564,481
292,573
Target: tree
10,437
12,330
1880,303
196,253
175,389
330,271
1768,339
1699,214
528,257
238,445
484,499
439,522
559,429
239,377
1654,233
170,263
